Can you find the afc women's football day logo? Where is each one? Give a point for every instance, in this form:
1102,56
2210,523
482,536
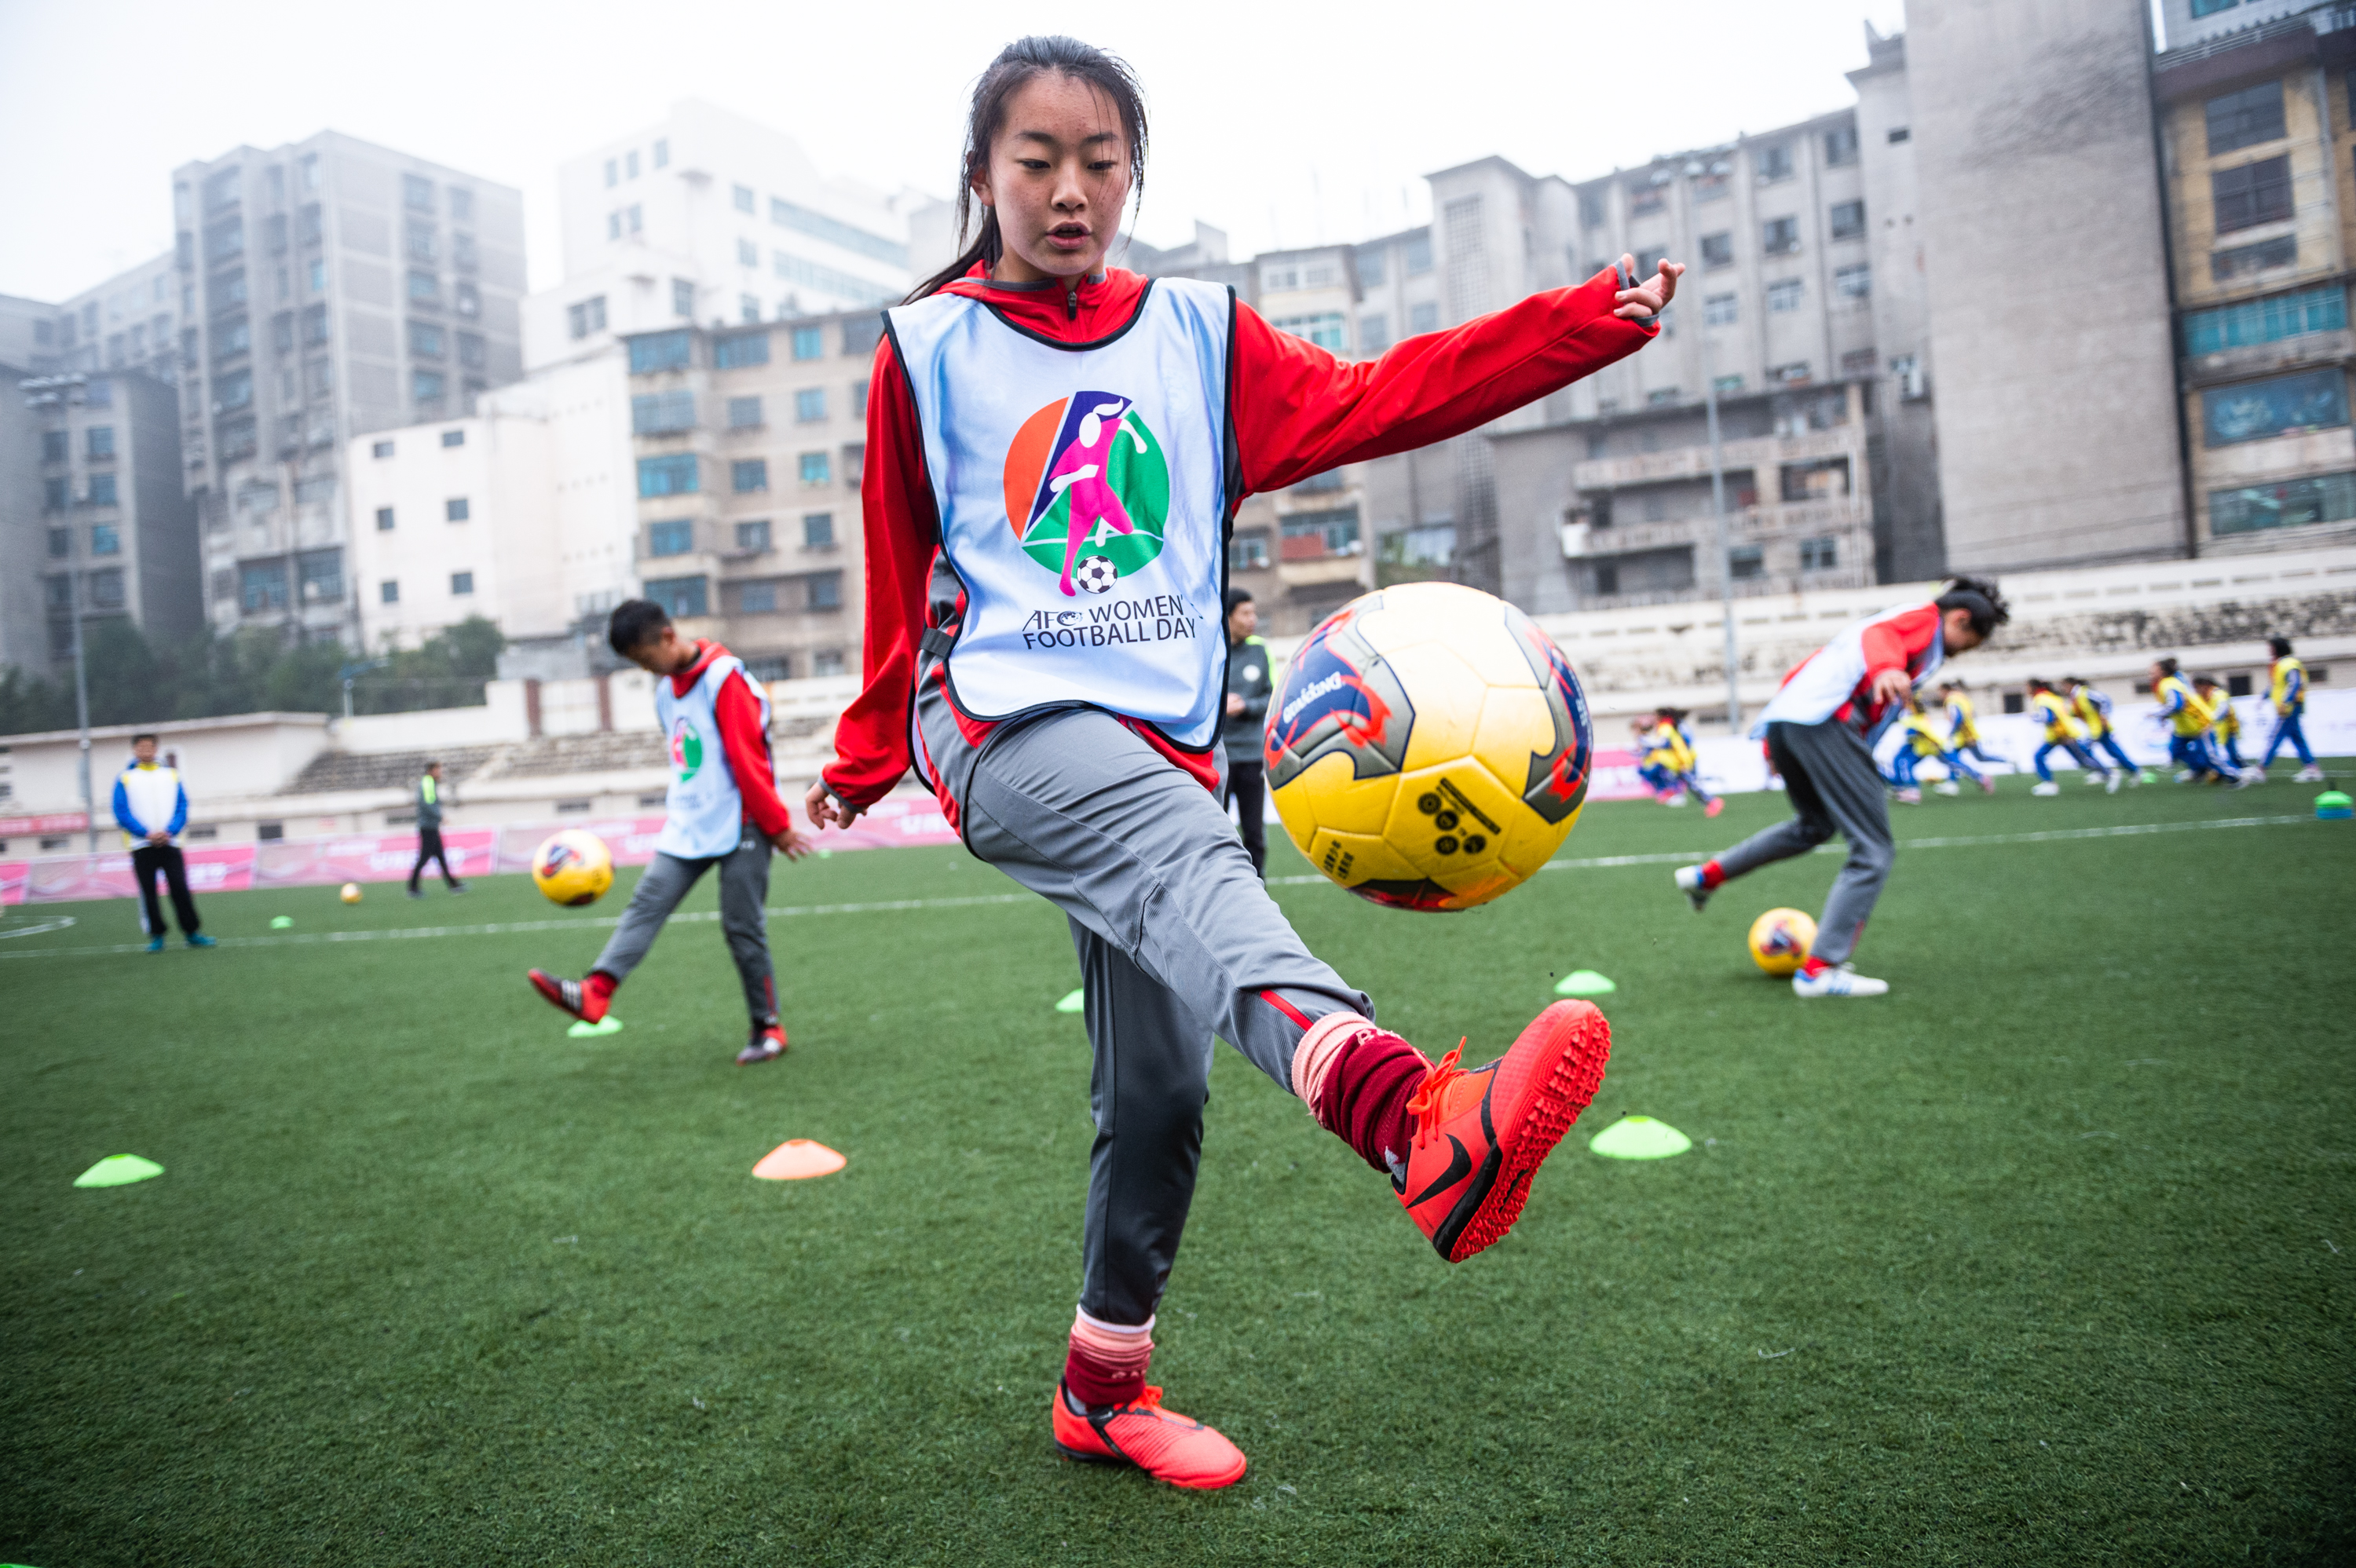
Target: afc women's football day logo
1087,491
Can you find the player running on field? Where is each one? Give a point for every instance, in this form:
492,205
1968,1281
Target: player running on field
722,811
2287,695
2062,733
1669,750
1963,724
1084,762
2224,726
1815,728
1923,743
2092,710
2186,718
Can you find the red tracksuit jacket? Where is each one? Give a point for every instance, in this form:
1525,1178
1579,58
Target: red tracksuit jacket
1298,412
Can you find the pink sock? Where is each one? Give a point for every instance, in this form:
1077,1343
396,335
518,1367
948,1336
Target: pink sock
1106,1362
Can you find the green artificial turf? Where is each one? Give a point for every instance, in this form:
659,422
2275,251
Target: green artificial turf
2045,1258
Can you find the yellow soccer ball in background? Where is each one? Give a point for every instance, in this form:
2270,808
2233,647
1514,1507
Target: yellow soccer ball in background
351,894
1430,747
1780,941
572,867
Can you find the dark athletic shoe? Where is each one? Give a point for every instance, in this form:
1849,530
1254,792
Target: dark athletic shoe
201,940
767,1045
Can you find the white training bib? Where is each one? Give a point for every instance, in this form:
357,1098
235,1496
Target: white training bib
1083,492
703,813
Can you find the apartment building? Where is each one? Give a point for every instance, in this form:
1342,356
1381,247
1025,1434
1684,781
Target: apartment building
2259,157
748,444
131,321
332,288
711,220
523,512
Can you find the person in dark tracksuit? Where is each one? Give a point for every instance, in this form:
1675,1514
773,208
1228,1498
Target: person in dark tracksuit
429,831
1248,689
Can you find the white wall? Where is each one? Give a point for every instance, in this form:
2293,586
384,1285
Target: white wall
244,753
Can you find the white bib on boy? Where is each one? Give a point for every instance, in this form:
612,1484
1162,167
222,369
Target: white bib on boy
703,815
1047,463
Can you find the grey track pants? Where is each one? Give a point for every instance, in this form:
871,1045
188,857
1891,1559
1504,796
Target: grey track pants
1178,942
744,891
1828,773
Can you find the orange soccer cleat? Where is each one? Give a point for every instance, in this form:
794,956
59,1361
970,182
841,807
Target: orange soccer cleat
584,1000
1162,1443
1481,1135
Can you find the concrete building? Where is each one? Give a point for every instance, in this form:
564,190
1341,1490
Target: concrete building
748,447
521,512
132,321
711,220
29,335
334,288
2256,141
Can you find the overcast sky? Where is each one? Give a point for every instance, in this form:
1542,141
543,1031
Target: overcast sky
1285,122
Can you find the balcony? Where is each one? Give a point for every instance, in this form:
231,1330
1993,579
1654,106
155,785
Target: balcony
1758,454
1747,524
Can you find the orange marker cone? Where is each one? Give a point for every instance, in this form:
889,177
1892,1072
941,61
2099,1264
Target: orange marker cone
798,1159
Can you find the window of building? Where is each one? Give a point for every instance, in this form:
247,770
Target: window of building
237,440
743,196
1327,329
105,539
1840,145
1899,133
106,588
662,153
387,592
60,543
57,445
1745,561
586,316
2284,405
2244,260
454,509
740,350
752,536
384,519
1819,554
462,583
661,413
472,353
425,339
2267,321
2253,193
419,242
1784,294
1310,535
1772,162
673,537
428,386
454,438
1721,310
817,469
829,661
462,205
747,253
321,576
635,218
1849,220
1275,280
672,476
1661,397
748,474
810,405
660,351
682,297
99,441
679,596
315,275
1854,283
2290,503
319,376
613,224
1717,250
744,413
817,530
424,288
282,331
1423,317
381,449
809,343
462,252
1248,552
748,308
758,598
1789,375
1370,263
1373,333
1857,361
612,172
859,399
1416,253
1779,236
1728,385
262,585
315,325
2244,119
1646,197
825,590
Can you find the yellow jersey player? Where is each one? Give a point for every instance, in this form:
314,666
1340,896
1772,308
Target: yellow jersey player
2287,695
2186,718
2052,709
2224,724
2094,711
1963,724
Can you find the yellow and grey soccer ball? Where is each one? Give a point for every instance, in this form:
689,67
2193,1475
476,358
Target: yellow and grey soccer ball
573,866
351,894
1781,939
1429,748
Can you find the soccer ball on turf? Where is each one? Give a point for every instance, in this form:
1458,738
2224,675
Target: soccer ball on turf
1096,573
1430,747
572,867
1781,939
351,894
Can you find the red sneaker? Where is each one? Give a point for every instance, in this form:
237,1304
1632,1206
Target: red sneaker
1480,1136
1717,804
766,1045
1162,1443
584,1002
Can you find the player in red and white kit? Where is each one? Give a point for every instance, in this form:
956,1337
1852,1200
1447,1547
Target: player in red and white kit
1819,730
1057,676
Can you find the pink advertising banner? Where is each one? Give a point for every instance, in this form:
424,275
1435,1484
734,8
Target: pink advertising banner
890,824
12,881
1614,776
367,858
70,878
56,822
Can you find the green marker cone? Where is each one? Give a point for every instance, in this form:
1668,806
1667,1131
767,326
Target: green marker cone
281,922
585,1031
2333,805
1072,1003
118,1171
1584,983
1639,1137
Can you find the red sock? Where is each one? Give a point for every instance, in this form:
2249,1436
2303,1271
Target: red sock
1364,1102
1105,1367
1812,966
596,994
1712,874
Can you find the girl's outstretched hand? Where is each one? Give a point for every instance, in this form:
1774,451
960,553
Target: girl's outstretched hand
823,809
1651,295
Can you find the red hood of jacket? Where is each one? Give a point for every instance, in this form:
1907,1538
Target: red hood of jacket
1069,313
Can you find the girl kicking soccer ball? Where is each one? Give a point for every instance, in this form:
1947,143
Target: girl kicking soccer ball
1055,452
